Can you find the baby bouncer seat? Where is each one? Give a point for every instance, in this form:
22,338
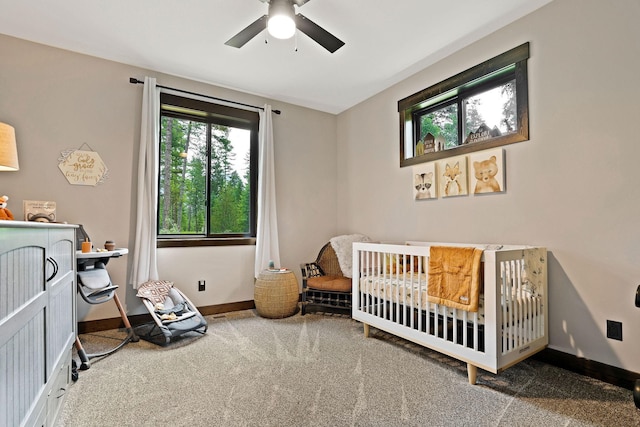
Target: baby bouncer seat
172,312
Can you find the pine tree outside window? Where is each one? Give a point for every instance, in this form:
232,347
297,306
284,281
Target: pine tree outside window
207,174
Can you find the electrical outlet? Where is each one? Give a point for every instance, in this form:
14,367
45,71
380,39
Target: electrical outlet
201,284
614,330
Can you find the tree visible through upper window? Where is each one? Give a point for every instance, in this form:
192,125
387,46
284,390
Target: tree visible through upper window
483,107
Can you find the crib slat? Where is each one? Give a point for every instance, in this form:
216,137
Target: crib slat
516,306
430,319
540,319
464,327
476,334
400,288
513,305
503,298
409,288
377,302
445,329
417,290
455,325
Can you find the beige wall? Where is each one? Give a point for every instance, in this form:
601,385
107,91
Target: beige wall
58,100
572,187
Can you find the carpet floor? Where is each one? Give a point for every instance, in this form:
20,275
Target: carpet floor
320,370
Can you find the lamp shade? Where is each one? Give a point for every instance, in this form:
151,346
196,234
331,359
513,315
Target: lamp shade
8,149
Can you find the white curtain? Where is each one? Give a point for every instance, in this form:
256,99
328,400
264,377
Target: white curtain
267,247
145,265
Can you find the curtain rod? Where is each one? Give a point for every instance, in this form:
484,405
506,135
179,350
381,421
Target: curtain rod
133,80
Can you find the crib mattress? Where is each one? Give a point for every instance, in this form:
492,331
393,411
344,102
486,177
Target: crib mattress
411,290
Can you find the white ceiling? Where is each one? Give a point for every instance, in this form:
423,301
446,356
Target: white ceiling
385,40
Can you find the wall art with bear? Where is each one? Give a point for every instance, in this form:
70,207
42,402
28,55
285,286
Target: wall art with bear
478,173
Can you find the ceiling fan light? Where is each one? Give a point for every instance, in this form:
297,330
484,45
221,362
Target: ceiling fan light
281,26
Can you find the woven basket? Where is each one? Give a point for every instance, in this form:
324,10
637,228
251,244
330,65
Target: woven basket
276,294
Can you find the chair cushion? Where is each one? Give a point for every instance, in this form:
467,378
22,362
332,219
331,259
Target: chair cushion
330,283
94,278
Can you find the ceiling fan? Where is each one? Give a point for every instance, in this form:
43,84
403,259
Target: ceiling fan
282,22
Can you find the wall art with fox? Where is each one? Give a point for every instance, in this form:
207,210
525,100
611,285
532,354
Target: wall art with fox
479,173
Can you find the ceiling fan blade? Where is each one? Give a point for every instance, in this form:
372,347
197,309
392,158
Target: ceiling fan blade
248,33
317,33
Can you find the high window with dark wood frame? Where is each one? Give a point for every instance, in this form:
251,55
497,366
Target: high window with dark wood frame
483,107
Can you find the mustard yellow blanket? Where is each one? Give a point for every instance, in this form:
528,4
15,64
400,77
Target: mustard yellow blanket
454,277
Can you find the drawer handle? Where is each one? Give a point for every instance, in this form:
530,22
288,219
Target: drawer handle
55,268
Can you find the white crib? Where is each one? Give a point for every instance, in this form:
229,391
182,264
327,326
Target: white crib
509,326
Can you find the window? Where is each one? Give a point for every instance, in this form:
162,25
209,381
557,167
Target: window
483,107
208,173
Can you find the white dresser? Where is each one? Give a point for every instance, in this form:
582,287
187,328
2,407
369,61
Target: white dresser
37,320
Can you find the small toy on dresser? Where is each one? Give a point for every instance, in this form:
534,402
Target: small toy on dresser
5,213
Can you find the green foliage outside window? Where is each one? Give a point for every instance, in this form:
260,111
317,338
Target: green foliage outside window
483,107
203,190
441,123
